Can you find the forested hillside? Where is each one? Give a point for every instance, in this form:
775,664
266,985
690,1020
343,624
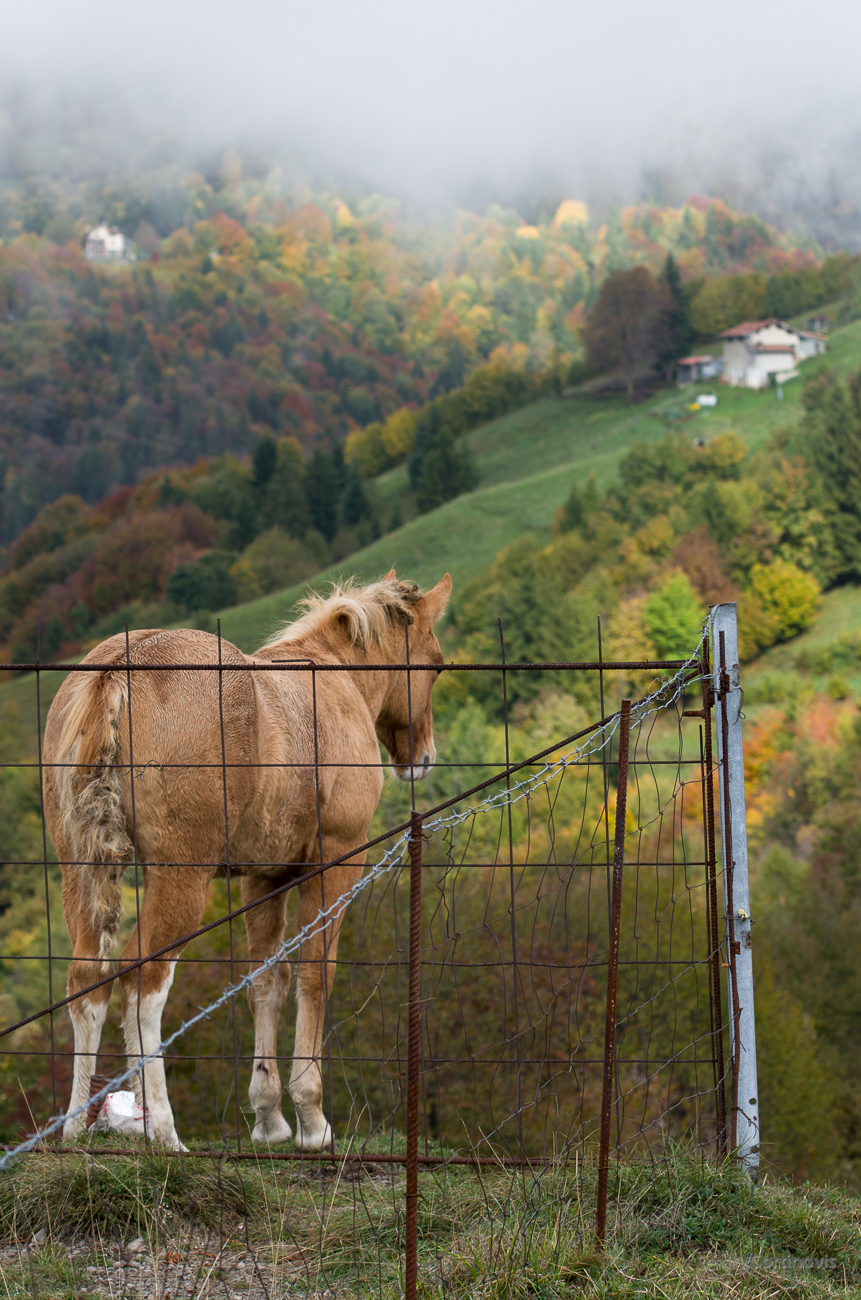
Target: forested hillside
253,308
209,422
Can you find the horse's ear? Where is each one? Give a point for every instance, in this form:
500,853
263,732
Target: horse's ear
434,602
390,576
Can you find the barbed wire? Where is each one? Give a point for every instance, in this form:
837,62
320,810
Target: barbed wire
664,696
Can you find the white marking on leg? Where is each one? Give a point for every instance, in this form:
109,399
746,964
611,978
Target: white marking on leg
143,1035
88,1019
264,1091
313,1131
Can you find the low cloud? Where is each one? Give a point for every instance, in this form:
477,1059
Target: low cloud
465,102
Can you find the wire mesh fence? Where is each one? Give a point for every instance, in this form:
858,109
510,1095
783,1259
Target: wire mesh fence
523,985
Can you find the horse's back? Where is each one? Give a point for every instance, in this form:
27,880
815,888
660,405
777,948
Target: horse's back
182,715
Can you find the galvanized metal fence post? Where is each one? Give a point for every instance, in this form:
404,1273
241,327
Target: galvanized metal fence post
413,1058
613,973
744,1120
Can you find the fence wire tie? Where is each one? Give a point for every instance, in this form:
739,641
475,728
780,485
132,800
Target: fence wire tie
644,708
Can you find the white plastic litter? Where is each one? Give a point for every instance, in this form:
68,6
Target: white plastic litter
120,1113
707,399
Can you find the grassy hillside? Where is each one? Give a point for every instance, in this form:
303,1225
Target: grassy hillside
527,462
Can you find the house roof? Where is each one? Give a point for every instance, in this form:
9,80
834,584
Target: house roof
104,229
811,334
694,361
751,326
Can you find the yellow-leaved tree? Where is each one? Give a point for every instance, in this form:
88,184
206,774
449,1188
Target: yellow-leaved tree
781,601
728,300
364,449
397,435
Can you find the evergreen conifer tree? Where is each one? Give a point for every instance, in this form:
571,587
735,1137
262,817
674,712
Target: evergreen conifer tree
322,492
340,468
679,333
831,432
354,503
578,505
447,470
284,502
264,460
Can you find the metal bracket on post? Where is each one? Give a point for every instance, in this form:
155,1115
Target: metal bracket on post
744,1123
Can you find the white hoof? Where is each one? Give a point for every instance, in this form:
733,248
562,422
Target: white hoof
315,1137
164,1133
171,1141
271,1128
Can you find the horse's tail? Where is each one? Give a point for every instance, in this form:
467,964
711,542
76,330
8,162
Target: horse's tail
91,798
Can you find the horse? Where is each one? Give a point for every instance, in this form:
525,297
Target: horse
249,770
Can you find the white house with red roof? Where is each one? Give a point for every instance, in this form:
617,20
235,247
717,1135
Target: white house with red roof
757,349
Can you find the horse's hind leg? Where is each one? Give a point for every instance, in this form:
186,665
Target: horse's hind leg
266,996
88,1012
314,980
172,907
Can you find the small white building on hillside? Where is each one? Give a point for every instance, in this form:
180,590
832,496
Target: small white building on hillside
106,244
691,369
755,350
811,343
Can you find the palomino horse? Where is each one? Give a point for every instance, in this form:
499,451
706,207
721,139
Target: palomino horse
287,795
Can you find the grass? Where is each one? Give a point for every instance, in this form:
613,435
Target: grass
827,657
678,1227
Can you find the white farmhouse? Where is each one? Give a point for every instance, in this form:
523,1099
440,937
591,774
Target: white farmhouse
106,244
757,349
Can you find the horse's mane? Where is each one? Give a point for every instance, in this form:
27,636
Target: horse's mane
364,614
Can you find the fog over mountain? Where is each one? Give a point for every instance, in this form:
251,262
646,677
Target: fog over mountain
456,102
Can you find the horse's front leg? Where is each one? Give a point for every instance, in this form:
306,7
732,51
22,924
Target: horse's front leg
266,996
314,980
172,907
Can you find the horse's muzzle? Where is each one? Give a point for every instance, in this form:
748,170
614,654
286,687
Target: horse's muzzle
416,772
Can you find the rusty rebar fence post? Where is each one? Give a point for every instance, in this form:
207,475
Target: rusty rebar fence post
712,905
413,1058
613,973
97,1082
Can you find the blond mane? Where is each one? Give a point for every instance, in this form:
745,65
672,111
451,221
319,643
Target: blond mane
365,614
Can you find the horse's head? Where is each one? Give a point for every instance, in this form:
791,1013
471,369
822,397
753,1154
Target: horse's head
405,720
386,622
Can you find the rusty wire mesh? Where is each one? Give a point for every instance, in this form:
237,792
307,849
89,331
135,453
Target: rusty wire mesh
510,850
